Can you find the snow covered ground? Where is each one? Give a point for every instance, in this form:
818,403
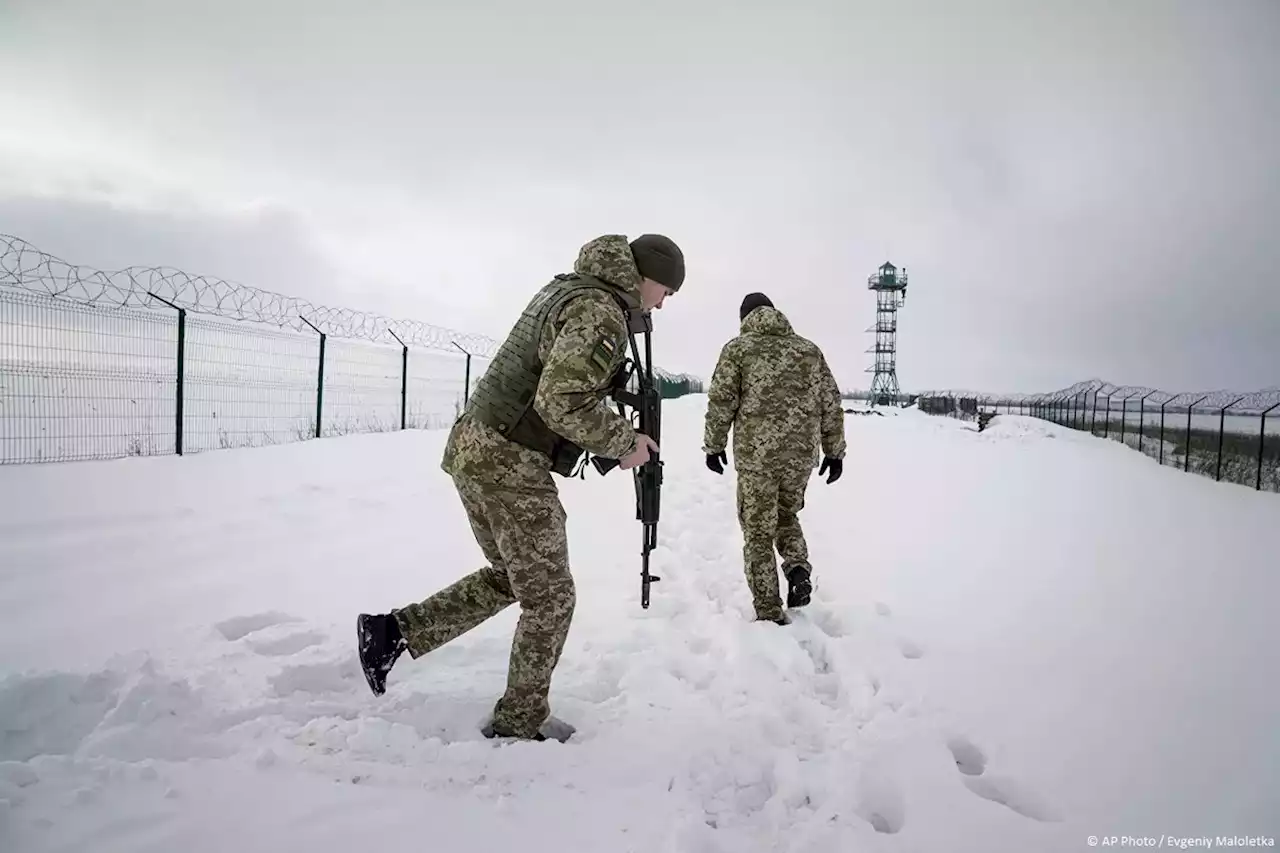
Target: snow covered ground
1018,639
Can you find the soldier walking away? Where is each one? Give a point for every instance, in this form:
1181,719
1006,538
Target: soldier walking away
540,404
775,390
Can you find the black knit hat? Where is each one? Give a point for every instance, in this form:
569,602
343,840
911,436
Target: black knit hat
751,303
659,258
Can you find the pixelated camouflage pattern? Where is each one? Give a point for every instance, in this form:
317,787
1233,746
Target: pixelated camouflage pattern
521,533
775,389
512,501
608,258
769,503
777,393
574,383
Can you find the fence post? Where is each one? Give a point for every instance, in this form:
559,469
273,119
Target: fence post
1142,419
182,371
466,388
1222,426
1162,405
1262,443
1093,426
1124,414
404,378
319,376
1186,462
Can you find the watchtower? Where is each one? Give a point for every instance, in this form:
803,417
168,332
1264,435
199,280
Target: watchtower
890,286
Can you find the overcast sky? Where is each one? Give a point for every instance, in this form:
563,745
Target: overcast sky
1077,189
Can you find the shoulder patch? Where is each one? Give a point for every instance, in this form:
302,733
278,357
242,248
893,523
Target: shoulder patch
602,353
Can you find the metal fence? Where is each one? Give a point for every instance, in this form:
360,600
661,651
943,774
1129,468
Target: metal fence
1229,436
146,361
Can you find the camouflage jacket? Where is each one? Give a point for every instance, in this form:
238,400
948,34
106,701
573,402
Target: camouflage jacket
775,390
580,350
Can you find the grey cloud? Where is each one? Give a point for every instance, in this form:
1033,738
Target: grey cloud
1077,190
271,249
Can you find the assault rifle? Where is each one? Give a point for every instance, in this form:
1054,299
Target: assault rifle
647,406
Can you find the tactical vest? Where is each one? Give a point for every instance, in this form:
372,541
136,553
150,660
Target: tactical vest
503,398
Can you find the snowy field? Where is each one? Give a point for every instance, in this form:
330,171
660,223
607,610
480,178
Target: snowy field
1018,639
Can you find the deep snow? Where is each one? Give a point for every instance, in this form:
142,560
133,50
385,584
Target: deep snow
1019,639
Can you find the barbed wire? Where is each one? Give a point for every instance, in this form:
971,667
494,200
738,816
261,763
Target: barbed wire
26,267
1237,402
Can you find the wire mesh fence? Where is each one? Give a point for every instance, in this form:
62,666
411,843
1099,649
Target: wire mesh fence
151,360
1228,436
246,387
141,362
80,382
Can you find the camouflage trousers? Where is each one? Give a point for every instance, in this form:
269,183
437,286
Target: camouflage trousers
769,504
522,536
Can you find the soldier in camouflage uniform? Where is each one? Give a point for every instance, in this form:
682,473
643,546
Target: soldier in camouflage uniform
540,404
775,390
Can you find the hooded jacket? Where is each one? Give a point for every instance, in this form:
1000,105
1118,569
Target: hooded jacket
547,385
776,391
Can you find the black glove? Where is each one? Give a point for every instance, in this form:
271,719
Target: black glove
836,466
714,461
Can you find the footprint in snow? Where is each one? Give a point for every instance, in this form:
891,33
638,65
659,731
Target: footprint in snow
969,758
819,655
972,762
241,626
341,676
883,609
1014,795
826,684
910,650
826,621
288,645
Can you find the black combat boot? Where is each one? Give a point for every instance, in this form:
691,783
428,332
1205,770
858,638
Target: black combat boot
380,644
798,587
